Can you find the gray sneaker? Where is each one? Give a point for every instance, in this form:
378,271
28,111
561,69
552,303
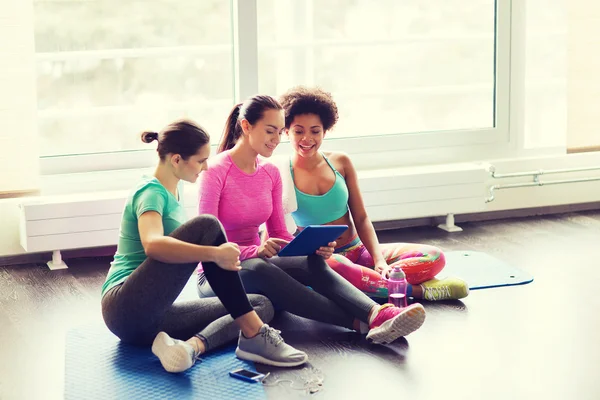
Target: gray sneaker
268,347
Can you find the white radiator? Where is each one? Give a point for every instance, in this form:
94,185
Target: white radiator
430,191
54,223
71,222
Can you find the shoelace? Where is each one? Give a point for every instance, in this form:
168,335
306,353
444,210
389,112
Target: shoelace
273,336
438,293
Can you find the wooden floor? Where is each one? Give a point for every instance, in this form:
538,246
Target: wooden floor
540,340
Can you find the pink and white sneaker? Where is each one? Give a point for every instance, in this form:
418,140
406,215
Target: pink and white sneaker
391,322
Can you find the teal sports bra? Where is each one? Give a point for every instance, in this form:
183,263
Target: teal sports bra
319,210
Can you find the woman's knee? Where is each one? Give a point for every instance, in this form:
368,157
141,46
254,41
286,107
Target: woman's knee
260,266
435,253
204,229
207,222
317,264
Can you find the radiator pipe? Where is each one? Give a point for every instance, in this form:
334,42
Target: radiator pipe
537,182
493,174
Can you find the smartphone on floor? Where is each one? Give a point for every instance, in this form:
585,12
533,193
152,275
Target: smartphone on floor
246,375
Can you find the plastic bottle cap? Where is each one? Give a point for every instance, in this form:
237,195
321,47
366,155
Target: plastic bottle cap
397,273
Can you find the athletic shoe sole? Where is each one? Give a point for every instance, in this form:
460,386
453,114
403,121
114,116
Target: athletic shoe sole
408,320
244,355
173,358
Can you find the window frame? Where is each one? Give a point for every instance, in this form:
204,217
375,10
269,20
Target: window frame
370,151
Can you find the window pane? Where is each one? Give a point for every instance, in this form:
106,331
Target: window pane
392,66
82,25
546,69
138,66
118,128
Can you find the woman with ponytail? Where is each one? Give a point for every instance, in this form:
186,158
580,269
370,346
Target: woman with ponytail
232,132
243,191
157,252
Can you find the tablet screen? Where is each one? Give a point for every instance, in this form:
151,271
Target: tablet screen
311,238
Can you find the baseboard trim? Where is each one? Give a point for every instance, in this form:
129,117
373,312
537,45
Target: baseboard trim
42,258
488,216
19,193
582,149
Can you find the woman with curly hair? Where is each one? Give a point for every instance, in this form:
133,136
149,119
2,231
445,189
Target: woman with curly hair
324,190
243,191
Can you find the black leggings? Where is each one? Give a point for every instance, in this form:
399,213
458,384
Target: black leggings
140,307
284,281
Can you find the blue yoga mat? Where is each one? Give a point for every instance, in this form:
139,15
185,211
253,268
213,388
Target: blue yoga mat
99,366
482,271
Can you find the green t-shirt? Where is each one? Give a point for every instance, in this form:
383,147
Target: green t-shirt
148,195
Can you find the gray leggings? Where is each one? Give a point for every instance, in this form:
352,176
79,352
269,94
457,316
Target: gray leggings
142,306
284,281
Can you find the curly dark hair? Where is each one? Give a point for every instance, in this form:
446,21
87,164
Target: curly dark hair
301,100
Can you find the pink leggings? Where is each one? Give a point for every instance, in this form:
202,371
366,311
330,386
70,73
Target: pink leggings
353,262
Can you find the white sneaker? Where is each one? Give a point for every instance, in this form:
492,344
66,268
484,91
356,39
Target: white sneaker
268,347
175,355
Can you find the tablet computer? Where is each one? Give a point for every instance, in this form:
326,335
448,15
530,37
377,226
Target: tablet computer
311,238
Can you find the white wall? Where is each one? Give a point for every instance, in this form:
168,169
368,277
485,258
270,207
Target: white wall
9,233
18,127
583,67
544,60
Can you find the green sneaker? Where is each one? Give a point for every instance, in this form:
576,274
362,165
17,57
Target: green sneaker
445,289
